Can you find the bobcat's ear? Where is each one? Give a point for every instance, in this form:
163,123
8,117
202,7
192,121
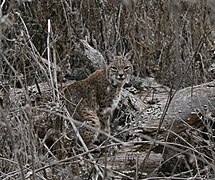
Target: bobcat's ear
129,56
109,57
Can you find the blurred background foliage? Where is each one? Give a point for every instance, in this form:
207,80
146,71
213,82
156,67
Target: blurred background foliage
170,37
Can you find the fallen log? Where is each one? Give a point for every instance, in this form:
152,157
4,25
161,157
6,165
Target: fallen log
187,108
90,56
190,106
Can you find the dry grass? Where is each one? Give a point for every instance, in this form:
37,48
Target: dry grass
37,42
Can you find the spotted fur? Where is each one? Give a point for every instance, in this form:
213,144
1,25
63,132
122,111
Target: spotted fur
94,99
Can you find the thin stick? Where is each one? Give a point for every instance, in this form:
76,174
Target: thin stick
2,4
49,57
55,72
1,68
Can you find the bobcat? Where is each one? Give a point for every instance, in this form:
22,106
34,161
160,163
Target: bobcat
93,100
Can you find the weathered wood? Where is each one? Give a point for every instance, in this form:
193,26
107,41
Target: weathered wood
128,160
91,57
190,106
128,99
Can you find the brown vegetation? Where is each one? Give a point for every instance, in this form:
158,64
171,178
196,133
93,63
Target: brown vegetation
45,44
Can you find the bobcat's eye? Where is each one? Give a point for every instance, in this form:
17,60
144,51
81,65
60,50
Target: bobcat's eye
127,68
114,69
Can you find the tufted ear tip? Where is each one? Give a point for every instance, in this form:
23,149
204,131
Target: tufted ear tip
129,56
109,56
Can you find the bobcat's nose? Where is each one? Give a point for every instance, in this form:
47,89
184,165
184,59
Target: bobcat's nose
121,76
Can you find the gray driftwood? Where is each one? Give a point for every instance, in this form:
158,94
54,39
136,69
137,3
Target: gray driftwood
188,107
91,57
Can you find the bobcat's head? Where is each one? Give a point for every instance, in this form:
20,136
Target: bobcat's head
120,68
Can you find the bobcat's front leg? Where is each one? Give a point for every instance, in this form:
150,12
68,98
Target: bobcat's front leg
105,127
92,120
105,116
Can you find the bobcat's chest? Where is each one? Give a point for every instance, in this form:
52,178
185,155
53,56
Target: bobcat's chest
112,101
115,101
